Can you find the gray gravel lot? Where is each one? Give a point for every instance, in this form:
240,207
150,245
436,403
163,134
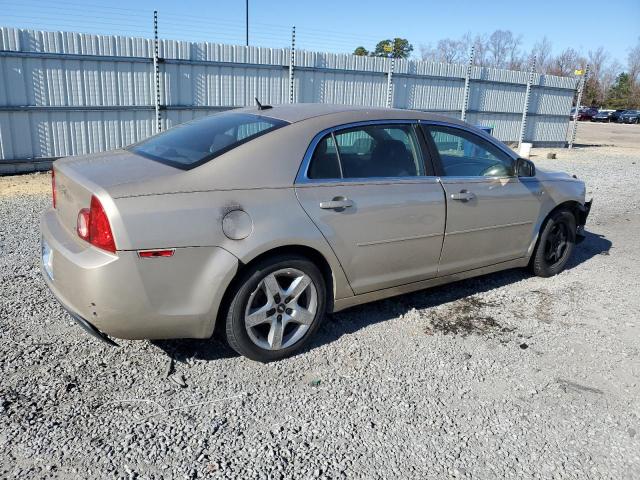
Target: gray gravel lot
504,376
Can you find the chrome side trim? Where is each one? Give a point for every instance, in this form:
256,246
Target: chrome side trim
368,181
493,227
466,179
399,239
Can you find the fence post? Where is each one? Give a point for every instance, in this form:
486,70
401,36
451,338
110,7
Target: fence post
292,59
392,66
527,97
581,84
156,73
467,81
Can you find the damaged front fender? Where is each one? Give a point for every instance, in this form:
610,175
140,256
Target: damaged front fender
582,214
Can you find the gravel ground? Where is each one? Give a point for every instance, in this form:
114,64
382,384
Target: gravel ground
504,376
597,134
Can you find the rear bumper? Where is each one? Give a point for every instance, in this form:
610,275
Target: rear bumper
125,296
86,326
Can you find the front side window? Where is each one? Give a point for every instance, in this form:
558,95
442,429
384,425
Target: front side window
194,143
465,154
368,152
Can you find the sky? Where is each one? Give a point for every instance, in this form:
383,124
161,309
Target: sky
340,26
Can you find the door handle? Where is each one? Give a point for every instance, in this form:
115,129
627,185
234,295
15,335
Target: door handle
337,203
463,196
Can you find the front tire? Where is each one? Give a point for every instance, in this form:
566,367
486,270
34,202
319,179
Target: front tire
275,308
555,245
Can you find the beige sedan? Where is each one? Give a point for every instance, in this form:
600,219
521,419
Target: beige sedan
262,219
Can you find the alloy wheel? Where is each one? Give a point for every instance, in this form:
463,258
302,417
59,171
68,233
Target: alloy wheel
281,309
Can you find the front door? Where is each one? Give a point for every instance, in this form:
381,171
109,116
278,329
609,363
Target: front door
367,190
490,212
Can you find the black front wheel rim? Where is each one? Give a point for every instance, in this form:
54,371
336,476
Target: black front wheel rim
556,243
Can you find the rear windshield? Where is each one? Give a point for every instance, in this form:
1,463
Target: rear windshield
194,143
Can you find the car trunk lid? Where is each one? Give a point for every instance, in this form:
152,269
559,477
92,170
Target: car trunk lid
103,175
116,168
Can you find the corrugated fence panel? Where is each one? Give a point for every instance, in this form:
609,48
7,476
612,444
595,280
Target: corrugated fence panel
28,135
552,129
545,101
429,93
67,93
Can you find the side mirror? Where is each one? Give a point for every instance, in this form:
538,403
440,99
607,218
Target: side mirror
525,168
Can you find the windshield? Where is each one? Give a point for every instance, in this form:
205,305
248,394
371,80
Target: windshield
194,143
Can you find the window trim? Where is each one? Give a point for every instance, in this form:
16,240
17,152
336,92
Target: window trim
435,154
335,142
302,175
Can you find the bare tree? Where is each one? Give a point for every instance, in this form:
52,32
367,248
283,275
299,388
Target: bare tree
452,51
633,63
608,76
481,48
428,53
542,52
447,50
566,62
503,50
597,60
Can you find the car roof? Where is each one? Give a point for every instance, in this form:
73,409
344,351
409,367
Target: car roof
280,150
297,112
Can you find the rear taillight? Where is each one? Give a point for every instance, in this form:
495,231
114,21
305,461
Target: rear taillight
93,226
53,186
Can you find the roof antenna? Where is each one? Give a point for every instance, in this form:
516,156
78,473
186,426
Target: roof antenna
262,107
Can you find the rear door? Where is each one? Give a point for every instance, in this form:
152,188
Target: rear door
490,212
380,208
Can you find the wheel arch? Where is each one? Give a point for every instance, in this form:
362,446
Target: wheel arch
331,277
575,207
304,251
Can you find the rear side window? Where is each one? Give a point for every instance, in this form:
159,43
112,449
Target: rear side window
325,163
194,143
371,151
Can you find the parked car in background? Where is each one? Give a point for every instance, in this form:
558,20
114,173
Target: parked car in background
615,116
630,116
262,219
584,113
602,116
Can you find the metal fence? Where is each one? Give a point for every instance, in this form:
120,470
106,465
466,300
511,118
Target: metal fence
66,93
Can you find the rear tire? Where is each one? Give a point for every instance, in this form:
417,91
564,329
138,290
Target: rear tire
555,245
276,306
